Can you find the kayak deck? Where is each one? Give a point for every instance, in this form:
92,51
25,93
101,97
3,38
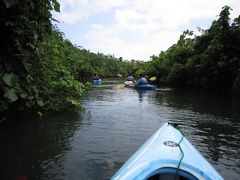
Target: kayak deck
164,155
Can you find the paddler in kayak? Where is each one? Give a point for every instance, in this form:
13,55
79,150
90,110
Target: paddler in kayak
95,77
130,78
142,80
130,81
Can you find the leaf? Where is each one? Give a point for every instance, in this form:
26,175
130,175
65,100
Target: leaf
39,114
29,104
27,66
56,6
23,95
11,79
40,103
30,97
11,95
29,78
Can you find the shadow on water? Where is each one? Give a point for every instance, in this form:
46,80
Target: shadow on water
32,148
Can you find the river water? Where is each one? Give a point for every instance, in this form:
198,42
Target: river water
114,124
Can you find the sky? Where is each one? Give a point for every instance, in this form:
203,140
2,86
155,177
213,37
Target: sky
135,29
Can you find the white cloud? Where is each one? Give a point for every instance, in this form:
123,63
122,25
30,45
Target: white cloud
97,26
109,41
75,11
104,5
140,28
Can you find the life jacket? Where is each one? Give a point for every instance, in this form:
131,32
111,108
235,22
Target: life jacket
143,80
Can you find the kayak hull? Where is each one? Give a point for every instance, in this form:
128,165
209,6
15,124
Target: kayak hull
145,86
97,81
161,155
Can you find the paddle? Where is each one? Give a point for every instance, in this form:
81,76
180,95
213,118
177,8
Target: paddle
119,75
153,78
121,86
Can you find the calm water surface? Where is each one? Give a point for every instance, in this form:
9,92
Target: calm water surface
114,124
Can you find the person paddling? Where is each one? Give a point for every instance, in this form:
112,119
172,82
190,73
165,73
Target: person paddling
130,78
142,80
95,77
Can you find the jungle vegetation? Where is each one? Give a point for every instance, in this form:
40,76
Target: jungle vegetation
210,60
42,71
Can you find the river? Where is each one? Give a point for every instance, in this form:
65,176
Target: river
114,124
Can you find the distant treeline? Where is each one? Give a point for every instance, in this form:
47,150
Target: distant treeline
42,71
210,60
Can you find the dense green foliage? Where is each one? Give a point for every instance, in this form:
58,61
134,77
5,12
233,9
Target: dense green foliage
210,60
105,65
23,25
39,69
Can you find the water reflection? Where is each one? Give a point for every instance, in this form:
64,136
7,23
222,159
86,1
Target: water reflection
141,94
33,148
223,104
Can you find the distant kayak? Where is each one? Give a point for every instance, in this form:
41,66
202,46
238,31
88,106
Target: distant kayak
97,81
167,155
146,86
